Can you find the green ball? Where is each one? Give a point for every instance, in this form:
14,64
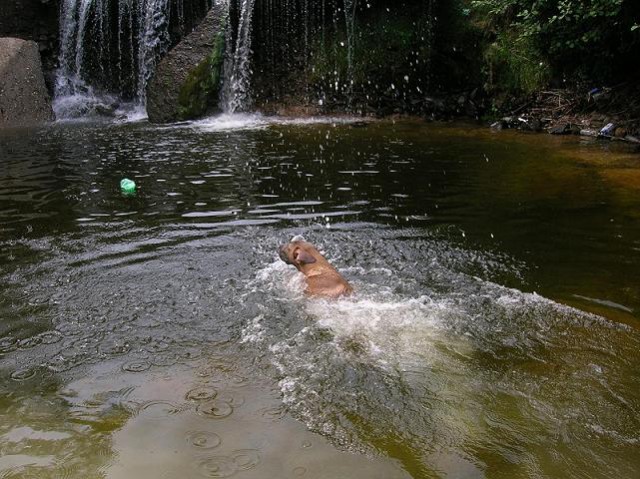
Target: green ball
128,186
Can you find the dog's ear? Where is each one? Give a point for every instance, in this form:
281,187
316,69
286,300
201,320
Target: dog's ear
302,257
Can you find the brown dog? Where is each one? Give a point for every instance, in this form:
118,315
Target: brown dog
322,278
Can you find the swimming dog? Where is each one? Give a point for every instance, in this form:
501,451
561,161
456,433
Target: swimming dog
322,279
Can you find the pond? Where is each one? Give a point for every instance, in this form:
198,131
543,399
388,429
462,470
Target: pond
494,332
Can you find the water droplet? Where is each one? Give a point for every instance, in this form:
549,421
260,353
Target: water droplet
23,374
114,347
246,459
50,337
158,409
215,409
201,393
7,344
216,466
273,413
136,366
28,343
236,400
203,439
164,359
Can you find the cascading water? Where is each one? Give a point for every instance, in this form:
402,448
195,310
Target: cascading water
109,50
345,54
237,66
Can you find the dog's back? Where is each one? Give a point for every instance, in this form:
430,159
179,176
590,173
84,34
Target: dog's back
321,277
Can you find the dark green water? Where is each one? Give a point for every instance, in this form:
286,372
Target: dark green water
495,331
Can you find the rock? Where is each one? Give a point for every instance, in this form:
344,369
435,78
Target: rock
471,110
565,129
620,132
561,129
535,124
187,80
24,99
435,104
588,132
36,20
106,110
573,129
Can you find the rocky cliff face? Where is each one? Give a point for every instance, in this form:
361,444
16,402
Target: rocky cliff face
186,82
35,20
24,99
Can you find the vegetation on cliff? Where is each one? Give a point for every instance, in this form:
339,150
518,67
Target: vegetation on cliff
531,43
201,89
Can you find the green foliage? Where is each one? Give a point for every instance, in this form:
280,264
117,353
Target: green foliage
199,94
515,65
592,38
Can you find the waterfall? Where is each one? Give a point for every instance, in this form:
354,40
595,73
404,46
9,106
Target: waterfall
344,55
237,66
153,40
109,50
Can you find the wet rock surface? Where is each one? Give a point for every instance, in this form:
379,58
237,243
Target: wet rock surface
24,99
181,86
35,20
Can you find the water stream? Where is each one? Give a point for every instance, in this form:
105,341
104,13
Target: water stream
109,50
236,87
494,331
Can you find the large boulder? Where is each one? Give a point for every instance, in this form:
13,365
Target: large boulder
24,99
36,20
187,80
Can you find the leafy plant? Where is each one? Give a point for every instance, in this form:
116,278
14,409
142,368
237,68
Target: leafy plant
594,37
515,65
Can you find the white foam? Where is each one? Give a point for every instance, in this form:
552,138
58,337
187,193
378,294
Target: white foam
254,121
424,336
231,121
280,278
88,106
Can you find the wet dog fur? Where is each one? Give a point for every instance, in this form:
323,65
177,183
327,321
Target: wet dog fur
322,279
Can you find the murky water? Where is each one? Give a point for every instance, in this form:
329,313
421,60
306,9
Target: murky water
494,332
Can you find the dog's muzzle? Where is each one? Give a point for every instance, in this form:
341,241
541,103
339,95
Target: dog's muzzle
282,251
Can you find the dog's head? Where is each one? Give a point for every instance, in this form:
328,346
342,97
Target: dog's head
299,254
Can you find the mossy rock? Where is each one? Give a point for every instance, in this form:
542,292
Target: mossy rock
200,92
186,82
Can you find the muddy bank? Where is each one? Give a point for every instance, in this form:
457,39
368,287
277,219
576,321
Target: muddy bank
611,113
